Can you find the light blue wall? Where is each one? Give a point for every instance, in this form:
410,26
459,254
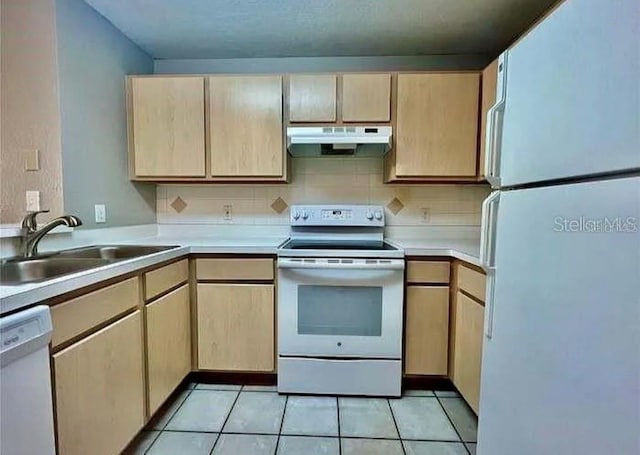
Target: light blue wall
321,64
93,59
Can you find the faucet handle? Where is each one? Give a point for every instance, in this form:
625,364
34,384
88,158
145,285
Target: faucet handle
29,222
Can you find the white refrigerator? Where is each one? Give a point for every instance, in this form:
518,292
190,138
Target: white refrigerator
561,239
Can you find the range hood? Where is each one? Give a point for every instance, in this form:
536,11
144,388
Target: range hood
338,140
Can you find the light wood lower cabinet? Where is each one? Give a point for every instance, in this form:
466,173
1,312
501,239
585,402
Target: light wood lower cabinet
427,330
469,320
236,327
168,344
99,390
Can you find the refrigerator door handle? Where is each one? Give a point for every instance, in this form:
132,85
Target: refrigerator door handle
495,116
488,228
489,303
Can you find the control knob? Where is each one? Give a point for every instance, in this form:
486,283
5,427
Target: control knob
370,215
305,215
296,215
378,215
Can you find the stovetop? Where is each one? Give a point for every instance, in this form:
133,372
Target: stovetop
349,231
339,249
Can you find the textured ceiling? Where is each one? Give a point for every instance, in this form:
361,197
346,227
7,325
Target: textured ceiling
313,28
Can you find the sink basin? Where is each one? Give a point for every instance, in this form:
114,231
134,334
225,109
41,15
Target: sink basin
20,270
113,252
32,270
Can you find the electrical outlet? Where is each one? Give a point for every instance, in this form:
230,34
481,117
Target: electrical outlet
101,213
426,216
33,201
228,212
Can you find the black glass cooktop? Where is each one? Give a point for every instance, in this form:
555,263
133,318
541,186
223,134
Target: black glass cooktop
336,245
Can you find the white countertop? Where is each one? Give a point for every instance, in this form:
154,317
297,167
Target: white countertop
467,250
15,297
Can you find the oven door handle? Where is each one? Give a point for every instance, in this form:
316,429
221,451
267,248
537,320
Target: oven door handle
397,264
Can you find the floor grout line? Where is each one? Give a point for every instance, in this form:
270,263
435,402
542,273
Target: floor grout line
393,416
286,401
152,442
452,424
168,420
226,420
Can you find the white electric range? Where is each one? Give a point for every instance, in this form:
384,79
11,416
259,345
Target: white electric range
340,303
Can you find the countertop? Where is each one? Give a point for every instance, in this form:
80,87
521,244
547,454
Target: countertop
467,250
16,297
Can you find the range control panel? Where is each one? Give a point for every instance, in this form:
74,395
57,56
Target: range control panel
337,215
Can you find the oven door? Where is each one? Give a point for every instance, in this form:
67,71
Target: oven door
340,308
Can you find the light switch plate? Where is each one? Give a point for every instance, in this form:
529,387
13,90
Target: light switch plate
101,213
32,160
33,201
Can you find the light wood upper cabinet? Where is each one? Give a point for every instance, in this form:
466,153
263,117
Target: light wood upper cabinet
246,126
99,390
166,126
427,330
437,125
312,98
469,322
489,88
168,344
236,327
366,97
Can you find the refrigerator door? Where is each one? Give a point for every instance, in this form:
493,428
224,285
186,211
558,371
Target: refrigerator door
561,370
572,97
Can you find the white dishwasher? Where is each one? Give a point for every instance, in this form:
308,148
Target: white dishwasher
26,411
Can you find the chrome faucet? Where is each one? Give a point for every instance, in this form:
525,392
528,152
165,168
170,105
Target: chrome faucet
31,235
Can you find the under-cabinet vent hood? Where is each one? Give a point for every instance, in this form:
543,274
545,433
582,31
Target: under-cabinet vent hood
338,140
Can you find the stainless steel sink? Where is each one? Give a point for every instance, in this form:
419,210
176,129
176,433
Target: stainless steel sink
32,270
21,270
113,252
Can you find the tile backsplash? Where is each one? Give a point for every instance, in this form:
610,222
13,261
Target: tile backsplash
320,180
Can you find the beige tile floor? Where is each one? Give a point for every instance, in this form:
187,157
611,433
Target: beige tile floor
212,419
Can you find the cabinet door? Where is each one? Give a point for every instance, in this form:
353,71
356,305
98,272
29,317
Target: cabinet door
312,98
167,126
468,349
366,97
168,344
236,327
489,87
437,125
245,126
99,390
427,330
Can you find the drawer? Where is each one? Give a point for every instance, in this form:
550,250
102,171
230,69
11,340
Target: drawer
73,317
472,282
428,272
159,280
235,269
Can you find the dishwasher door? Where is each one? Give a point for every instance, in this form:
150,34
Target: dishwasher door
26,411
